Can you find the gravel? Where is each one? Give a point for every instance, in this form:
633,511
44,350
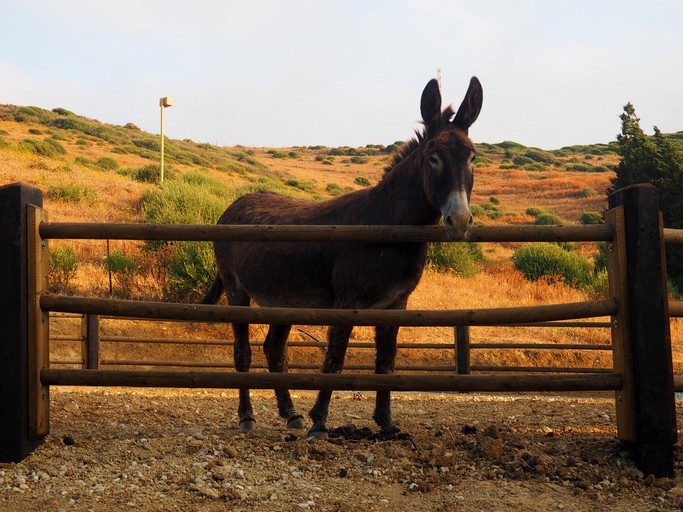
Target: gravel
123,449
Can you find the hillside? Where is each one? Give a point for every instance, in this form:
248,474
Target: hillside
96,172
112,164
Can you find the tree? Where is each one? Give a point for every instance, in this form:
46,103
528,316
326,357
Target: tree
653,160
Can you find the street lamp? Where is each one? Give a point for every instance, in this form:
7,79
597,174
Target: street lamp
164,102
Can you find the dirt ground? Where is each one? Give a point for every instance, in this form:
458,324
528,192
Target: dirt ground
148,449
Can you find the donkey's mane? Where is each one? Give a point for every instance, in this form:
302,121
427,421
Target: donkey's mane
426,133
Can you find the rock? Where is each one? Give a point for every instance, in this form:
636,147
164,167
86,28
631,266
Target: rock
491,431
491,449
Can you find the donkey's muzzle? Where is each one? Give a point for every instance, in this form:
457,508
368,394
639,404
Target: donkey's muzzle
457,224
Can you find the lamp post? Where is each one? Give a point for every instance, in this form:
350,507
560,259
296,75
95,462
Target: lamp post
164,102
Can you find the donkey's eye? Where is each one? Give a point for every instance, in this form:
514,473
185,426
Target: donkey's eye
433,160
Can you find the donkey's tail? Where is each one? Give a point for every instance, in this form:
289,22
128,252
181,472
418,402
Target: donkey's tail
214,293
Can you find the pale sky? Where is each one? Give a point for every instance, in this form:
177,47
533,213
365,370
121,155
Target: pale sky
286,73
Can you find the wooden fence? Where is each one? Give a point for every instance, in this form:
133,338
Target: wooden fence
637,305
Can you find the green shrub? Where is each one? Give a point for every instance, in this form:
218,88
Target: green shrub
63,111
535,166
535,211
63,262
191,271
148,143
73,193
363,182
107,163
538,155
333,189
279,154
548,219
146,174
597,285
122,270
35,131
494,200
587,192
522,160
358,159
47,147
461,258
591,218
551,261
579,167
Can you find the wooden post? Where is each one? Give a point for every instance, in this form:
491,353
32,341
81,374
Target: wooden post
647,346
90,330
15,441
38,325
462,349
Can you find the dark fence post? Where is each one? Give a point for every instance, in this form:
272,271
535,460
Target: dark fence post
15,443
650,342
90,330
462,349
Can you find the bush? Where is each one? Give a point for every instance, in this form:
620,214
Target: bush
591,218
107,163
579,167
191,271
122,269
333,189
551,261
522,160
73,193
535,211
587,192
461,258
597,285
48,147
548,219
363,182
63,263
146,174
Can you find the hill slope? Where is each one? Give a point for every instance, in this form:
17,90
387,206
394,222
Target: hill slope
114,165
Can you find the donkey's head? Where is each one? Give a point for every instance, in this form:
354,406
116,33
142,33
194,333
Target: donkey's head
448,156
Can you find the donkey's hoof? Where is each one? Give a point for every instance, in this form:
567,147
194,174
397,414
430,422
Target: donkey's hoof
296,422
389,431
319,434
247,424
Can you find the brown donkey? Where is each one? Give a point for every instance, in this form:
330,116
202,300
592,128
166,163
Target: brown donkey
430,178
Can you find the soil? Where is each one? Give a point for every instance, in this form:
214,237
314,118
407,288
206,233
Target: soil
149,449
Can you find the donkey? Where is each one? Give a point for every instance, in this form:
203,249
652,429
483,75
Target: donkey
430,178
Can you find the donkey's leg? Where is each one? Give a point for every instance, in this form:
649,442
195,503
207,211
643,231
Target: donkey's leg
338,341
275,348
385,362
385,342
241,355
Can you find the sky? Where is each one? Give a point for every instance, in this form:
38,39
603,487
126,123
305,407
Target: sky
270,73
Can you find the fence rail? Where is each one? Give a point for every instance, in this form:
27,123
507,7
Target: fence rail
330,233
484,383
302,316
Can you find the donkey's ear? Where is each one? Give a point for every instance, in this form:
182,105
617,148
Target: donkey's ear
430,104
470,107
